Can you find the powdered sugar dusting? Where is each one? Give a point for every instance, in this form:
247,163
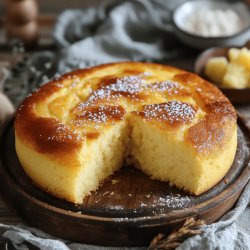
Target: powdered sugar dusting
98,115
157,204
173,111
130,86
62,134
175,201
166,86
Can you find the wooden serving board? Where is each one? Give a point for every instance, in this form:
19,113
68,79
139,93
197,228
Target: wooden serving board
129,209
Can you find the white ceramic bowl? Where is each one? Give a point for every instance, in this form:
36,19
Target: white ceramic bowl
183,11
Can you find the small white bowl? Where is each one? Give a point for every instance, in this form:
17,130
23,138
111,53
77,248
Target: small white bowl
183,11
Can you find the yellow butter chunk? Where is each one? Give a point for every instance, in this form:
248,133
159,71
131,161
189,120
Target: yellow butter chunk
233,54
237,76
232,71
216,68
244,58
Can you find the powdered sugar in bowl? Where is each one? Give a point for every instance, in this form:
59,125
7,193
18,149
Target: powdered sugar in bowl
204,24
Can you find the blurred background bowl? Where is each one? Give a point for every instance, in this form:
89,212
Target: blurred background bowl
183,12
236,96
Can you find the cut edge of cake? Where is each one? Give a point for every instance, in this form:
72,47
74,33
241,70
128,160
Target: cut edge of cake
169,158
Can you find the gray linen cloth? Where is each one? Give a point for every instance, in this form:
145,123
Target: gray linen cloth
131,30
137,30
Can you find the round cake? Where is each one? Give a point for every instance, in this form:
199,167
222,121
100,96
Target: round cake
75,131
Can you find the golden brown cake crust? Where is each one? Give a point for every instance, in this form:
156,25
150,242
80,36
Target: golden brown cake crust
207,135
213,131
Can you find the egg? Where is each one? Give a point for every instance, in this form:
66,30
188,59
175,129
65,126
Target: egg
21,12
